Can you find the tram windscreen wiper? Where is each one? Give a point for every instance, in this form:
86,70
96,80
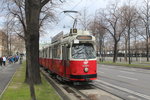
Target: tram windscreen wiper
78,51
83,51
89,50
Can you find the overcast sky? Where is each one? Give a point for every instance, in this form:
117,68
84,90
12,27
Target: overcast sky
65,20
78,5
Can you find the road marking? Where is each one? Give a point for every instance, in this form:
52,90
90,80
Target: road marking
127,72
125,89
133,69
106,87
127,77
101,72
133,97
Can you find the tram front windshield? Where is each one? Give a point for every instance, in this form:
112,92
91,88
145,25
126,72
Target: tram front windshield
83,51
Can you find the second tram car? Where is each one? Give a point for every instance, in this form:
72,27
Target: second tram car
71,57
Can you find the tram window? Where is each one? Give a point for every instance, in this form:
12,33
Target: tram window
53,52
83,51
65,52
56,51
43,54
49,52
40,53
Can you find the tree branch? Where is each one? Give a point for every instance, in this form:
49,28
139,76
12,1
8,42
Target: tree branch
44,2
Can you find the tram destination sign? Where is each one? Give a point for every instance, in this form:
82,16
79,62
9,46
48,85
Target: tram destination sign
82,37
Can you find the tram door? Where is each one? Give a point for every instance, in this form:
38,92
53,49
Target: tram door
65,58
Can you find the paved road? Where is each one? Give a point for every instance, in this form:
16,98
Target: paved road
6,73
133,80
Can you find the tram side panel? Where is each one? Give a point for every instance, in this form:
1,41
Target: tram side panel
55,66
59,69
46,63
50,64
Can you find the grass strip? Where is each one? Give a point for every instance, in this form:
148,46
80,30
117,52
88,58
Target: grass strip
18,90
125,64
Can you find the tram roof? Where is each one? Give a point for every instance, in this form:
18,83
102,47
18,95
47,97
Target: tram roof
61,38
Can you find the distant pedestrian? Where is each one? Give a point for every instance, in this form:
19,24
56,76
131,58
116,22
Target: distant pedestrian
1,61
20,59
9,60
4,60
17,58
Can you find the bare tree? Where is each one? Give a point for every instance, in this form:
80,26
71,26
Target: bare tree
28,16
136,35
97,25
114,25
125,36
130,15
16,15
145,16
85,19
8,30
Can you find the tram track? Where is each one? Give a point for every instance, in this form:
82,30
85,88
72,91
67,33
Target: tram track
66,91
106,89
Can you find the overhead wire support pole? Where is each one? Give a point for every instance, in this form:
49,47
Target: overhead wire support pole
75,23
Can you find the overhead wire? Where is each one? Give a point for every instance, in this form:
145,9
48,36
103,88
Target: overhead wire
65,9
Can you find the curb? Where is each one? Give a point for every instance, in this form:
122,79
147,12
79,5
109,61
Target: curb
58,89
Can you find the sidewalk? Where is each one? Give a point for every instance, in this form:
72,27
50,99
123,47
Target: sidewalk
19,90
6,73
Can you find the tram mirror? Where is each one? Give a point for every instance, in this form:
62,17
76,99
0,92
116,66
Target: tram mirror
68,46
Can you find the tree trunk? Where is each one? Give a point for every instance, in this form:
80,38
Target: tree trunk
32,59
136,56
30,73
136,49
32,12
126,44
147,49
100,47
32,39
7,42
115,52
129,53
10,46
26,74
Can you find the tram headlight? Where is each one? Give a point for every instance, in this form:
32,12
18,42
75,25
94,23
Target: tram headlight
86,70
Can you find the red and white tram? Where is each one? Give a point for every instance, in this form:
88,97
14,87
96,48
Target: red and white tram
71,57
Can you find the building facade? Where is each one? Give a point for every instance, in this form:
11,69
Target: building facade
3,44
